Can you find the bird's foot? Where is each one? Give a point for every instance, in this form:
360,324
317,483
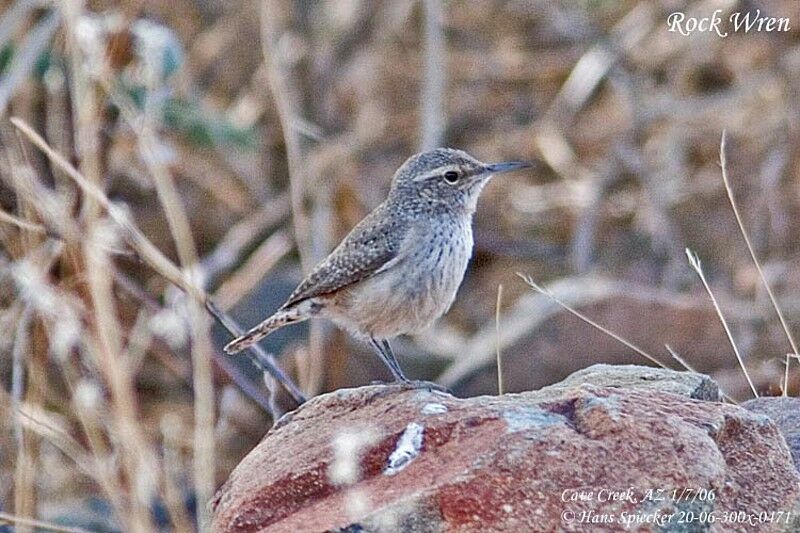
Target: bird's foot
421,384
416,384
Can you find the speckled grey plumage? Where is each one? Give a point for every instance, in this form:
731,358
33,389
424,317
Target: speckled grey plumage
371,244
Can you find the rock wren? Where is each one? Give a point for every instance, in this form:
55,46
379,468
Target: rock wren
398,270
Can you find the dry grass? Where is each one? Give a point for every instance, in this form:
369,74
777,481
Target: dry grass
542,290
723,161
24,523
500,389
695,263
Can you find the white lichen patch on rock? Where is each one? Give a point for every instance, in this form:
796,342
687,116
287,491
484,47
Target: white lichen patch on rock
434,409
408,447
530,418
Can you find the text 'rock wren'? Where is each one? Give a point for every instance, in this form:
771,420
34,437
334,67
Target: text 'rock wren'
399,269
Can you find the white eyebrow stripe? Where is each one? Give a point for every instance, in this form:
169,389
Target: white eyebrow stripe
437,172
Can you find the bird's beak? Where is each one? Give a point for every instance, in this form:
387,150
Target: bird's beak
497,168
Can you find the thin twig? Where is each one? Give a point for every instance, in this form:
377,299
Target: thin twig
541,290
226,364
694,262
18,355
729,190
261,358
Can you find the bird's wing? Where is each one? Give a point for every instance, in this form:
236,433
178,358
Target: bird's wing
372,246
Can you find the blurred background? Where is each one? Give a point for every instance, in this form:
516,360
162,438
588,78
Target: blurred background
244,139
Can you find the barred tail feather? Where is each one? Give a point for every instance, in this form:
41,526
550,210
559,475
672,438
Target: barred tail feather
271,324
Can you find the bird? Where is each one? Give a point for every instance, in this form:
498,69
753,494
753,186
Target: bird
399,269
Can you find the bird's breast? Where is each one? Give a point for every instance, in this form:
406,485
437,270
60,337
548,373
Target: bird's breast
437,265
418,288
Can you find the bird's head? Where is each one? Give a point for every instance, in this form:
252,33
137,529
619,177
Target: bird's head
447,176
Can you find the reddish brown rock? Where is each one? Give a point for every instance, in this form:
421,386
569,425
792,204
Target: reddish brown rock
785,412
688,384
513,463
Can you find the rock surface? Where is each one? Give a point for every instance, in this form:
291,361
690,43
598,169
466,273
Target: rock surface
688,384
785,412
580,458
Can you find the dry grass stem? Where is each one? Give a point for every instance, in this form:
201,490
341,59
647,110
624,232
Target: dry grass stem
248,275
789,357
117,375
146,250
694,262
675,355
171,430
166,160
38,524
541,290
86,117
43,424
36,41
25,468
178,222
284,92
22,224
287,79
238,238
756,262
140,338
497,333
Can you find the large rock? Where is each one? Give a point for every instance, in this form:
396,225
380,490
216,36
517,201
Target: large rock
785,412
380,458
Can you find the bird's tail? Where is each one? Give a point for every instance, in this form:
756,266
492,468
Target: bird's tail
275,322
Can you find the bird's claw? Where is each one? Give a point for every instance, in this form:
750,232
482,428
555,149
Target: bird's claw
421,384
415,384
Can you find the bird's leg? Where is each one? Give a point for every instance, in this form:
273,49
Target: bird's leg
387,348
384,351
417,384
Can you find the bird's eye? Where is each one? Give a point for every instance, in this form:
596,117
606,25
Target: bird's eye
451,176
